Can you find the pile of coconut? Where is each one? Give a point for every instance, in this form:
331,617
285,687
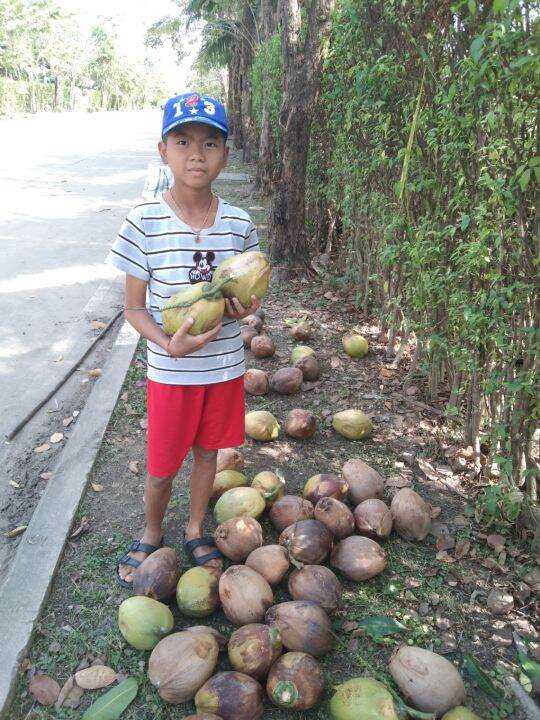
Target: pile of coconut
275,648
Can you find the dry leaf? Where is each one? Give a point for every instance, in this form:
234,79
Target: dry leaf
445,542
434,512
66,422
58,359
496,542
42,448
143,422
17,531
25,664
70,695
56,438
98,324
335,362
44,689
133,465
75,413
444,557
428,469
95,373
96,487
124,396
14,484
95,677
83,527
46,475
462,548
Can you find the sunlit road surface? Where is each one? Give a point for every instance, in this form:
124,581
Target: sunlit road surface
66,182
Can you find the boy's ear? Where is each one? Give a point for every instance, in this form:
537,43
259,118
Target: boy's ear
162,148
226,155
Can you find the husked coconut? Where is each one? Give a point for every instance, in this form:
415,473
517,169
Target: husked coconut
300,424
256,382
364,482
429,681
410,514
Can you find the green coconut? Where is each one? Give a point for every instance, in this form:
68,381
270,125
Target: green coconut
352,424
362,699
226,480
237,502
460,713
144,621
299,352
197,592
261,425
270,485
203,302
242,276
355,345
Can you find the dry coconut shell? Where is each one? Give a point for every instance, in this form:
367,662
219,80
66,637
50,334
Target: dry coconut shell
254,648
253,321
309,365
287,381
300,424
429,681
364,482
336,516
270,561
256,382
237,537
301,331
157,576
325,485
245,595
247,334
218,637
358,558
318,584
234,695
230,459
308,541
304,626
262,346
288,510
181,663
373,518
295,682
411,514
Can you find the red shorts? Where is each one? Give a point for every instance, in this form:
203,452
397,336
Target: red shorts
180,416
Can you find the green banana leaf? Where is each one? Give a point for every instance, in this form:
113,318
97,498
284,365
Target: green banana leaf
111,705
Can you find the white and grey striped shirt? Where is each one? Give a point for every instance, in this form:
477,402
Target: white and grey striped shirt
155,245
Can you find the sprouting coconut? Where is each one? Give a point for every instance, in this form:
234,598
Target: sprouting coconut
295,682
270,485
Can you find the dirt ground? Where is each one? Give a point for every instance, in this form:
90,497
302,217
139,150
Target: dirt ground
437,588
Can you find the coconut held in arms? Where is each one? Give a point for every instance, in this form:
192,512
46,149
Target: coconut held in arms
242,276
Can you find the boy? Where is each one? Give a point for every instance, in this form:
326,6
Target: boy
195,387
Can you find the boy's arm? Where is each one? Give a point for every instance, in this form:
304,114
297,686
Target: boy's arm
181,343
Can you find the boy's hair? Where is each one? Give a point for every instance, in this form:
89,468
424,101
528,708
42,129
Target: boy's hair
192,107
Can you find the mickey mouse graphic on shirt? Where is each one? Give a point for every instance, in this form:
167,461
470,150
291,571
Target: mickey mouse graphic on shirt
203,270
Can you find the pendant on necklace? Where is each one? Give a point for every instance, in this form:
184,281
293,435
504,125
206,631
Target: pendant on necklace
197,238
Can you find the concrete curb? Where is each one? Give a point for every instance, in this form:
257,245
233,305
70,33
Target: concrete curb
32,571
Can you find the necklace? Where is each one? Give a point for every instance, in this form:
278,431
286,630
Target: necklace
182,213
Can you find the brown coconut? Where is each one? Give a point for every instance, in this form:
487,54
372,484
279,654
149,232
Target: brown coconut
262,346
358,558
270,561
254,648
309,366
287,381
157,575
245,595
288,510
325,485
229,459
336,516
373,518
364,482
234,695
259,312
203,716
308,541
221,640
253,321
248,333
237,537
304,626
301,331
318,584
300,424
411,514
295,682
256,382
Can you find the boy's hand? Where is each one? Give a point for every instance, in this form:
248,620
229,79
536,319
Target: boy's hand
236,310
181,343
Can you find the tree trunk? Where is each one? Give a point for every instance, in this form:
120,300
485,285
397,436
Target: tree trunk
302,69
267,149
246,62
236,107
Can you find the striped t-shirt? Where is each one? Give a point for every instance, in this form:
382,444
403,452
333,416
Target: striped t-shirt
155,245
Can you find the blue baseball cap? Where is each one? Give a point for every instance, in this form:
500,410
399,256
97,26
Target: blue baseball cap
192,107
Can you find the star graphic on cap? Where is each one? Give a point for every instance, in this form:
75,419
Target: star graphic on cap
193,111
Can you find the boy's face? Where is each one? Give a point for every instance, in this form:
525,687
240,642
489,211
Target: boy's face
196,154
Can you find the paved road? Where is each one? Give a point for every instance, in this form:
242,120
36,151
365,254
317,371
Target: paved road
66,182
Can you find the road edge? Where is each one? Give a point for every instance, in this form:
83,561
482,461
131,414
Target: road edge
42,545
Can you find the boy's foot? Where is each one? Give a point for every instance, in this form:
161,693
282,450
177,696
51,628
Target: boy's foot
148,541
194,533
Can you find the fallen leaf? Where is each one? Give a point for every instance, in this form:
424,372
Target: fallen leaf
70,695
113,703
95,677
96,487
434,512
46,475
56,438
335,362
66,422
143,422
42,448
428,469
44,689
25,664
17,531
444,557
124,396
444,542
14,484
83,528
58,359
398,482
75,413
98,324
496,542
462,548
133,465
95,373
